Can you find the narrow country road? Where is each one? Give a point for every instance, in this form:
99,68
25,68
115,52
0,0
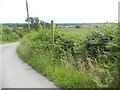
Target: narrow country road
17,74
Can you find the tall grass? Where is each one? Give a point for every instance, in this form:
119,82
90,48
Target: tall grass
67,63
61,73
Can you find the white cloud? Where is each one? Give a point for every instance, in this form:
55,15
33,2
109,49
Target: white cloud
68,10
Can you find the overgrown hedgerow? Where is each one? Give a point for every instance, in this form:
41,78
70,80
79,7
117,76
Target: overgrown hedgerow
75,60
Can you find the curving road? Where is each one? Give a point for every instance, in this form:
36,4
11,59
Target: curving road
16,73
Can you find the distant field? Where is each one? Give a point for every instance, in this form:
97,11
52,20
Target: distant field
78,32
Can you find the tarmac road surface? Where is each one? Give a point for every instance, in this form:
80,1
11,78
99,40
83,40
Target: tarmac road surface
17,74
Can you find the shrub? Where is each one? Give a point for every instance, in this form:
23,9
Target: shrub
103,45
8,35
74,62
102,40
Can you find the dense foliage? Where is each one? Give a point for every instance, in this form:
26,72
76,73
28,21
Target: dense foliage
7,35
37,24
11,32
80,58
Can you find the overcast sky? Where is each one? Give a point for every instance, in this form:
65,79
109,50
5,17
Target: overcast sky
61,11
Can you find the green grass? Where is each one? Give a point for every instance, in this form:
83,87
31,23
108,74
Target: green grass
5,42
67,71
77,33
62,75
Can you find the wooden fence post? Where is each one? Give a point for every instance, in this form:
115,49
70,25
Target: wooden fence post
52,28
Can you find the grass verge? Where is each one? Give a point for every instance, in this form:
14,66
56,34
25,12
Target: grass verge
62,74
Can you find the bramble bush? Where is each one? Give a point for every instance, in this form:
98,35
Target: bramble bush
103,45
78,59
102,40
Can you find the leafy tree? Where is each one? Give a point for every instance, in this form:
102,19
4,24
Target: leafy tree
37,24
39,27
77,26
47,25
34,22
14,27
6,29
8,35
20,33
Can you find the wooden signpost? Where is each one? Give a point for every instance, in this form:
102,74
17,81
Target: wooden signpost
52,29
